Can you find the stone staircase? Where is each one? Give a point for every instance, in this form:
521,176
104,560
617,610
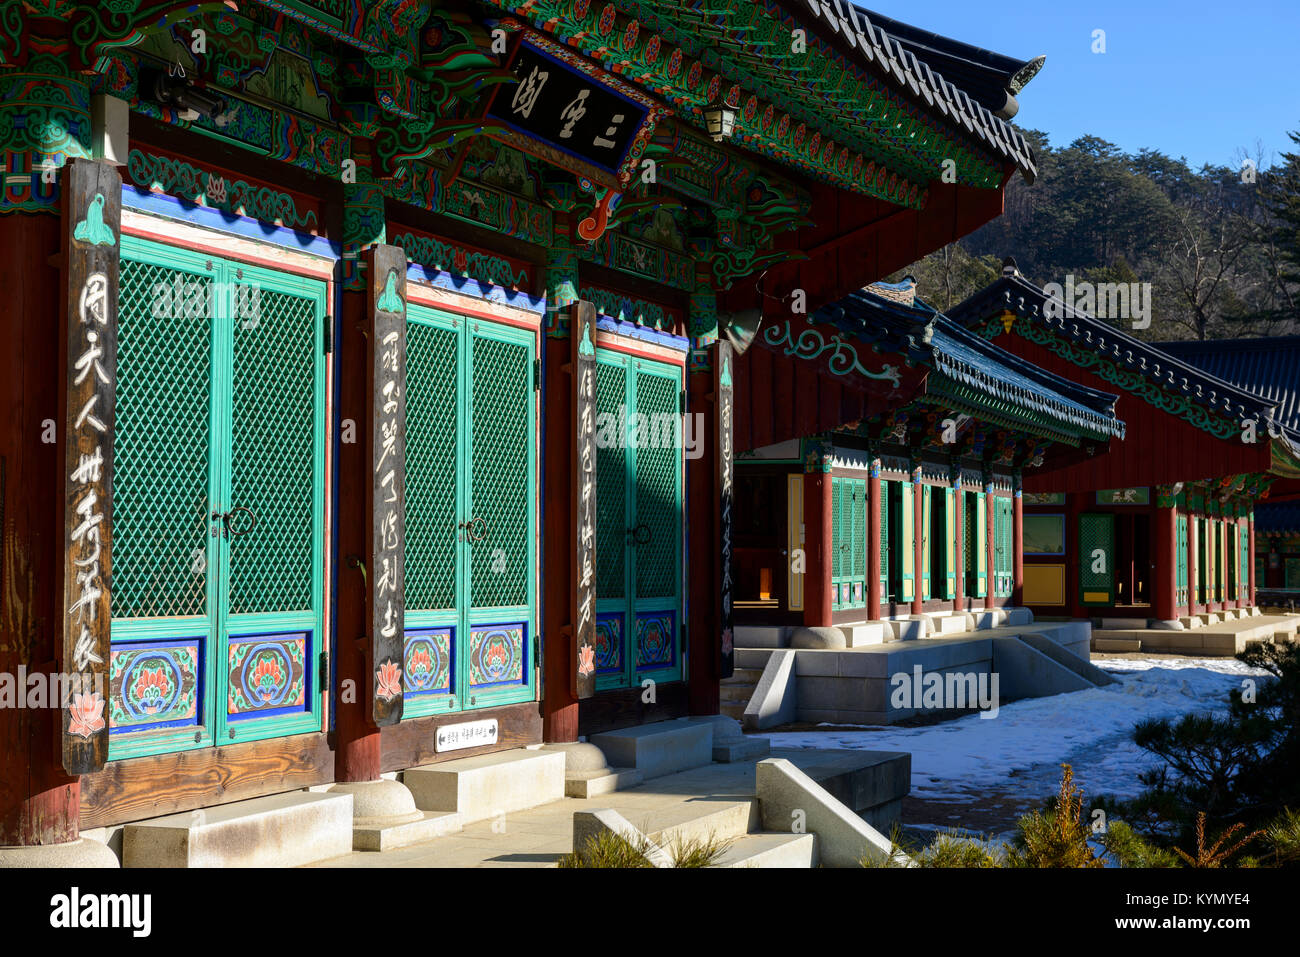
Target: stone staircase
737,690
675,782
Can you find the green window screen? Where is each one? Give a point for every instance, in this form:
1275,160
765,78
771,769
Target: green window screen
272,451
161,463
500,393
432,473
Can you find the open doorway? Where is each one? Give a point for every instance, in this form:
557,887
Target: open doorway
1133,559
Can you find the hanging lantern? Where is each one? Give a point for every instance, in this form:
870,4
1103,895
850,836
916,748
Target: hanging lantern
719,120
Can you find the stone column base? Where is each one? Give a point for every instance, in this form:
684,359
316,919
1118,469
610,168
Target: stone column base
379,803
80,853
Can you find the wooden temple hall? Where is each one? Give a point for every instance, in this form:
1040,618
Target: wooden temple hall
912,504
1156,530
377,386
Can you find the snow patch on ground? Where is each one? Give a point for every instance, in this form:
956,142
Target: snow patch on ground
1020,751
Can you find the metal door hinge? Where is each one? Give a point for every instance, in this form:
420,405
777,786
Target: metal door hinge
681,402
323,672
537,650
537,375
329,336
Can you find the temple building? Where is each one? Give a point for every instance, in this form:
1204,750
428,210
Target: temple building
913,505
1155,530
1270,368
377,391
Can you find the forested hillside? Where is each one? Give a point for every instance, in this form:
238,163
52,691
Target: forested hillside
1220,246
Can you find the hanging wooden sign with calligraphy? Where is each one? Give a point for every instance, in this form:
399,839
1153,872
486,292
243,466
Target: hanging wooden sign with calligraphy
386,266
565,110
93,221
724,393
583,324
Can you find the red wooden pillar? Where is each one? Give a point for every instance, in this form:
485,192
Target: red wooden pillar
918,544
559,704
1017,546
818,538
990,545
559,698
959,545
357,757
874,557
1193,566
703,548
1250,531
1218,543
39,802
1166,564
1074,505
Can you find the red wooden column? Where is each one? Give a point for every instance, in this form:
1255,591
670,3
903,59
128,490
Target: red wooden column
818,538
39,802
874,557
1250,531
1166,564
959,544
703,549
1017,544
1193,566
990,546
559,700
1073,570
358,740
1220,566
918,546
357,757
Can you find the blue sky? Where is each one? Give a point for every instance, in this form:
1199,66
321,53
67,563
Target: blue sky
1191,78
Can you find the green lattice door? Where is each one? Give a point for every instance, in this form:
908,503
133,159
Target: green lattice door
470,514
639,474
1003,547
1097,558
218,501
1180,581
849,543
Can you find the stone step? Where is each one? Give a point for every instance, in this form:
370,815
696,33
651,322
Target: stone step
955,624
866,633
484,786
909,629
760,636
736,690
771,849
747,674
1116,644
389,837
986,618
1119,624
752,658
697,821
281,830
657,749
733,709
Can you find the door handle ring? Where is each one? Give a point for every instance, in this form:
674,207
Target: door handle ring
476,529
231,532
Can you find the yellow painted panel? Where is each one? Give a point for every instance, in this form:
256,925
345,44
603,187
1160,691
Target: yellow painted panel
794,539
1097,596
1044,584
